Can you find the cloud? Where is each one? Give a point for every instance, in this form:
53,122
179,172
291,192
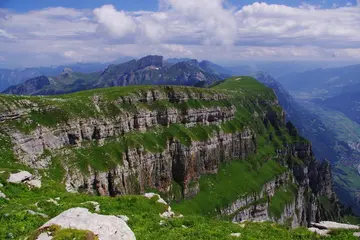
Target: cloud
207,29
218,24
5,34
117,23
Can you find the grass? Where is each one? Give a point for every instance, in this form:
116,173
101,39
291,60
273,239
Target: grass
282,197
16,223
234,180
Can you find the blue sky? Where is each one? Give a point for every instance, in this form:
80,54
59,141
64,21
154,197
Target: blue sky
135,5
54,32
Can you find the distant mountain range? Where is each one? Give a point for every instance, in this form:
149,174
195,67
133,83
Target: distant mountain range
145,71
321,83
333,96
10,77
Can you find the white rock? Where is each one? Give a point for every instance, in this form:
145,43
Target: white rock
151,195
31,212
19,177
125,218
53,201
44,236
334,225
356,234
235,235
168,213
34,183
105,227
2,195
322,232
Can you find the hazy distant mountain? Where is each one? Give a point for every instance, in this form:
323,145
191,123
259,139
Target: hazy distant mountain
306,122
333,136
147,70
322,82
9,77
347,102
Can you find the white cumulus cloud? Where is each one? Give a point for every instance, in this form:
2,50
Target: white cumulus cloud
207,29
118,23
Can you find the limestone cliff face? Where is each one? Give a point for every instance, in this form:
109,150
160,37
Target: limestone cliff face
141,169
177,163
313,182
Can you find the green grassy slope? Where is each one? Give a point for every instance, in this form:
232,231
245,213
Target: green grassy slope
233,180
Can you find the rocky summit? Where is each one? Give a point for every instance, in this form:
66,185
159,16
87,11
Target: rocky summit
165,162
145,71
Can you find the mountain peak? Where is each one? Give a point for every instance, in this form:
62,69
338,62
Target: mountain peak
151,60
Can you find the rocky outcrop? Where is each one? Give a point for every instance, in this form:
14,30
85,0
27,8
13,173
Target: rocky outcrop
104,227
313,182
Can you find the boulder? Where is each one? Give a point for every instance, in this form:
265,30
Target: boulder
321,232
103,226
235,235
44,236
2,195
151,195
34,183
333,225
19,177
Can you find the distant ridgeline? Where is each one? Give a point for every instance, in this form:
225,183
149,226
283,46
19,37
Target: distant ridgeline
145,71
224,151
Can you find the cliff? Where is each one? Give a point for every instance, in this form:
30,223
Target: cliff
175,140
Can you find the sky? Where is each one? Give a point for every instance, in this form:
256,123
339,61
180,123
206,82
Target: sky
53,32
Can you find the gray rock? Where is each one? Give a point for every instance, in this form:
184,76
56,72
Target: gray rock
44,236
151,195
235,235
105,227
334,225
2,195
34,183
19,177
31,212
321,232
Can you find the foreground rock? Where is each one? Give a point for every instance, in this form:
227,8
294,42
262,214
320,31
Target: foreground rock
321,232
333,225
103,226
20,177
24,177
151,195
2,195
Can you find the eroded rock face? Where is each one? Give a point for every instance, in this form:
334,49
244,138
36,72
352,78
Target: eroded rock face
313,182
184,164
103,226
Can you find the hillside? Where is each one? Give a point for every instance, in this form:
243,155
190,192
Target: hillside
223,152
145,71
333,136
321,83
